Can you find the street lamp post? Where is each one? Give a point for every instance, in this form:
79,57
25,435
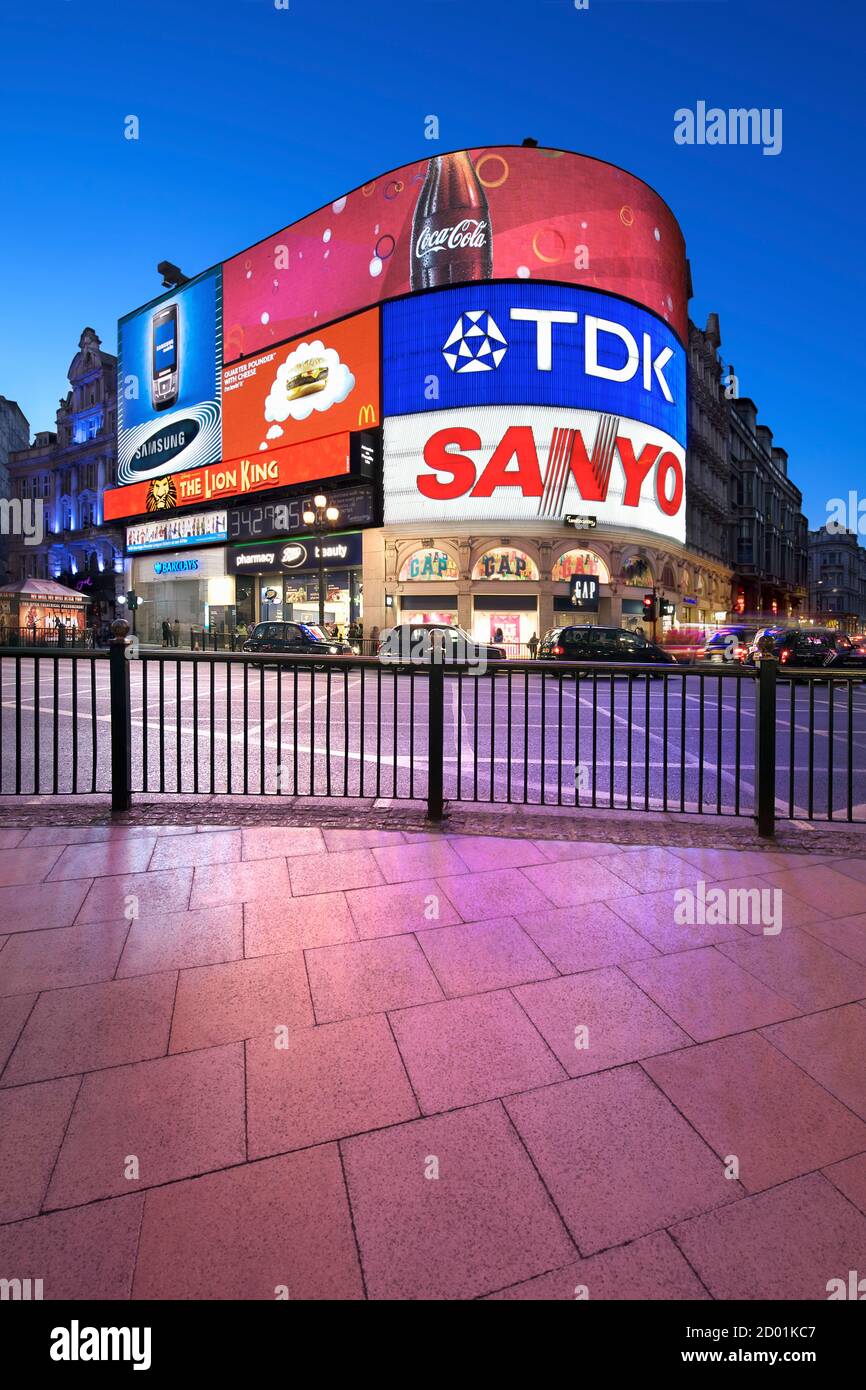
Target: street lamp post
319,520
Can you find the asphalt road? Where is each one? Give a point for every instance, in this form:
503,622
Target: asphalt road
206,727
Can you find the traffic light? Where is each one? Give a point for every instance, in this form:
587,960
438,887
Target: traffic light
649,608
132,599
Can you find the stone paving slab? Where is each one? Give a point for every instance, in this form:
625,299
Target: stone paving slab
349,1054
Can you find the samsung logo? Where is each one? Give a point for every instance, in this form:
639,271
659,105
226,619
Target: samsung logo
166,444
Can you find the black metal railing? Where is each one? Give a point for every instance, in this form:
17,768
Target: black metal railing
706,740
46,637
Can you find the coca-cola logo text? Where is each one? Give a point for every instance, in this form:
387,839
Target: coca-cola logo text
472,231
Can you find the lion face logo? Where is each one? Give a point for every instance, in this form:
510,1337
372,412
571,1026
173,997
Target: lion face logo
161,495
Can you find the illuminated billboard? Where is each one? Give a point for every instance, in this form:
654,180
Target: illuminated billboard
240,477
309,387
507,212
173,531
169,382
533,464
525,343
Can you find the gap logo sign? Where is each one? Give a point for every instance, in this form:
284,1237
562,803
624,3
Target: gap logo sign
526,343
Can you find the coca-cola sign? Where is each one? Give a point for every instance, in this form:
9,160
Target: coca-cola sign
469,232
460,217
533,464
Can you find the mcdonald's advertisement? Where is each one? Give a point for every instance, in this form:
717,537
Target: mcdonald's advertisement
321,384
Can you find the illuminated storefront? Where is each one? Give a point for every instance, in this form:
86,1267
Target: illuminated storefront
186,586
280,581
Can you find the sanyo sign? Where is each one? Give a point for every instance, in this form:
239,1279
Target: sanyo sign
529,343
534,465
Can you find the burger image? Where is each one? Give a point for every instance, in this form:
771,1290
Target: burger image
309,376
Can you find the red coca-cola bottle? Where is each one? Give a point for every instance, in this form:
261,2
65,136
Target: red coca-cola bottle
452,239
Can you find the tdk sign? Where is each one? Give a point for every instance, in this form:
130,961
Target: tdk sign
529,343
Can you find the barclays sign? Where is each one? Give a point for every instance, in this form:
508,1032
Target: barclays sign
528,343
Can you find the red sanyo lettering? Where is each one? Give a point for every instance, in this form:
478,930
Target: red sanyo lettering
635,469
669,463
518,444
441,459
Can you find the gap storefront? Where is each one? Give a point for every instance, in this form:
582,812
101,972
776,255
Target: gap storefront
279,579
514,590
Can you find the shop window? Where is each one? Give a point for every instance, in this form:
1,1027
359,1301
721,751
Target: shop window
438,617
573,562
504,562
637,572
428,564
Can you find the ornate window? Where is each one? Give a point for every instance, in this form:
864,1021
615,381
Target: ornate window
572,562
505,562
636,572
428,564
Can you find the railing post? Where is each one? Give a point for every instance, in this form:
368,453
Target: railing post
765,746
121,725
435,738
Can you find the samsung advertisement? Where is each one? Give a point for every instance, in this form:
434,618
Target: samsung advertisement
169,383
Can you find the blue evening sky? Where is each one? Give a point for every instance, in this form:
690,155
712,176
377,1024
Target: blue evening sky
252,116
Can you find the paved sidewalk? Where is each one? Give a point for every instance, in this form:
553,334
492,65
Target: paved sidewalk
342,1063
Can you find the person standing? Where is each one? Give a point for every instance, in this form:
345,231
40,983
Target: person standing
166,633
533,645
175,633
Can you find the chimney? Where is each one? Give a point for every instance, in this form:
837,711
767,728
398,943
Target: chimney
713,331
765,436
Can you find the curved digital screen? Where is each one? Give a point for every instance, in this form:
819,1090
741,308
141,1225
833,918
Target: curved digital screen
503,212
532,344
533,464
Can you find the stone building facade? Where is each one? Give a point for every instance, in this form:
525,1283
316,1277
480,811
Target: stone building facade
837,579
770,556
67,471
14,434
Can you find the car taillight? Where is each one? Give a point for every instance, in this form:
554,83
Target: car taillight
558,651
784,655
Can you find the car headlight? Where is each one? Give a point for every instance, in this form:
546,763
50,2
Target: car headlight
356,651
333,650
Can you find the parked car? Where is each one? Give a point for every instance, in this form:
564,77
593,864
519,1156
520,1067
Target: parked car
295,639
812,647
728,644
593,644
415,642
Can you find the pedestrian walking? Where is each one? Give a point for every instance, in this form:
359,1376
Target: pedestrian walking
175,633
166,633
497,636
533,645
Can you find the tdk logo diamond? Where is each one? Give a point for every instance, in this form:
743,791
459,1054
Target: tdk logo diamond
481,345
